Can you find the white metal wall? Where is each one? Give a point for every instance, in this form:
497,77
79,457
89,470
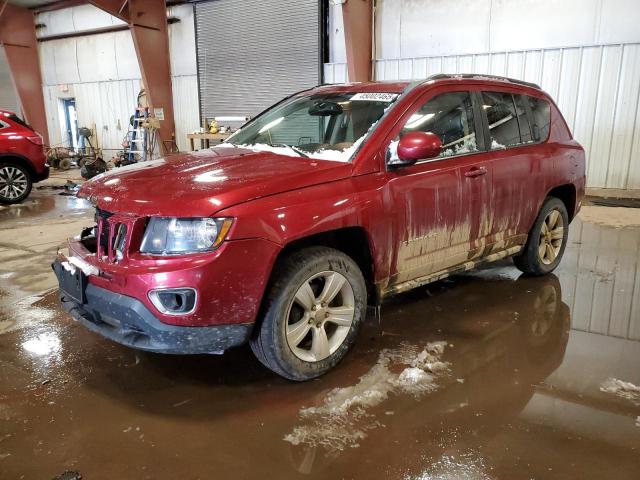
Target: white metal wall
108,105
585,53
101,72
596,87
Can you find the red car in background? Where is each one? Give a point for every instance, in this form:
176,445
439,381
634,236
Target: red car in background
22,158
331,200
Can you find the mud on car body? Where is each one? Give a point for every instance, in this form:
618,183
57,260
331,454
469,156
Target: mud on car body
329,201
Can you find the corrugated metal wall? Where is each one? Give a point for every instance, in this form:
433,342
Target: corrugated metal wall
253,53
8,99
596,87
107,104
101,72
185,108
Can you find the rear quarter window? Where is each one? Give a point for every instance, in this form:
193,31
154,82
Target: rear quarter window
541,116
502,119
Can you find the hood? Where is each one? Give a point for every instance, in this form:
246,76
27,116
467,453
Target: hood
205,182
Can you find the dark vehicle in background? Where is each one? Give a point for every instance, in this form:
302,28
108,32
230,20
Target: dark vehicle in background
22,158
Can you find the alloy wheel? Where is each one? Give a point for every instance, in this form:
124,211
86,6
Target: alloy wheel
320,316
551,237
13,182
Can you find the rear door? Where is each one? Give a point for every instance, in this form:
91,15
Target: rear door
516,166
442,204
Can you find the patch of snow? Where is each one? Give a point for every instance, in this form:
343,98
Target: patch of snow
497,146
263,147
638,422
622,389
415,380
86,268
324,154
224,145
344,418
68,267
468,145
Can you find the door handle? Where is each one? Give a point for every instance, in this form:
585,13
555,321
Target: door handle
475,172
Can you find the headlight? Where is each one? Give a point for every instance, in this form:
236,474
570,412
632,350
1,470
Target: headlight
169,235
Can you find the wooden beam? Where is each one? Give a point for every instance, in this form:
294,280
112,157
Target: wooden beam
18,37
357,17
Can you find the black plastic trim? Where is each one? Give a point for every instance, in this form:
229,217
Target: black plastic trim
127,321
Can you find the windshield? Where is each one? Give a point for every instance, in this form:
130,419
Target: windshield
324,126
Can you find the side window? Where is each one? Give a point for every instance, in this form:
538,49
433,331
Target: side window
523,119
450,116
502,119
541,112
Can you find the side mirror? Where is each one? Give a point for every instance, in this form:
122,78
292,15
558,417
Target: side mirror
416,146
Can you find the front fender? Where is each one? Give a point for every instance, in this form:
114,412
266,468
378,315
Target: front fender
297,214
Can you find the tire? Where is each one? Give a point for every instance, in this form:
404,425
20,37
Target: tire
65,164
547,240
15,183
321,272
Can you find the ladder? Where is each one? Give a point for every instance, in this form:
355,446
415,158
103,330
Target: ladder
138,136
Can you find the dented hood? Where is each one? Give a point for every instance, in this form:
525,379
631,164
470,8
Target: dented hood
203,183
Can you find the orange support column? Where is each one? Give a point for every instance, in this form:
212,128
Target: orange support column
18,37
147,21
357,17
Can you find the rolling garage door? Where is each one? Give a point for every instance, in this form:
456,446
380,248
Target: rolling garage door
8,99
252,53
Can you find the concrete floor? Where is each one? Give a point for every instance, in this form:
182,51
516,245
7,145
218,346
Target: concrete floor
520,396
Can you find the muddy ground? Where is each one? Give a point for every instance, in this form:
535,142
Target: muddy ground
527,378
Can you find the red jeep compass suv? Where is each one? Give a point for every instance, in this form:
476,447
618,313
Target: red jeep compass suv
22,158
331,200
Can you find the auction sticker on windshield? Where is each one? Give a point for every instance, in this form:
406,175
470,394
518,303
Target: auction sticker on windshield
375,97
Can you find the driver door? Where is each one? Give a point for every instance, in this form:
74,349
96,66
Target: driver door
442,204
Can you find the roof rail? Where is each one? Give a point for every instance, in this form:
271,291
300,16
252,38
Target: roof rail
440,76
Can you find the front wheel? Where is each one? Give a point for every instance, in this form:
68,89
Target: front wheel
15,183
547,239
311,314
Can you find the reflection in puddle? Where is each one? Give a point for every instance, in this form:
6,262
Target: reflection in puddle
344,417
43,344
465,466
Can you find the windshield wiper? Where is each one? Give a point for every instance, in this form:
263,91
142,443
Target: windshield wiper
299,151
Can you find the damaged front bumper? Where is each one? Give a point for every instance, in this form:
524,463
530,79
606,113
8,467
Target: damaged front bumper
128,321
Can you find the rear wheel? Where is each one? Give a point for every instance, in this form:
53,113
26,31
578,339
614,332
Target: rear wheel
15,183
312,313
547,239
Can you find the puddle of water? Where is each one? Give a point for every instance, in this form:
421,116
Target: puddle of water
344,417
